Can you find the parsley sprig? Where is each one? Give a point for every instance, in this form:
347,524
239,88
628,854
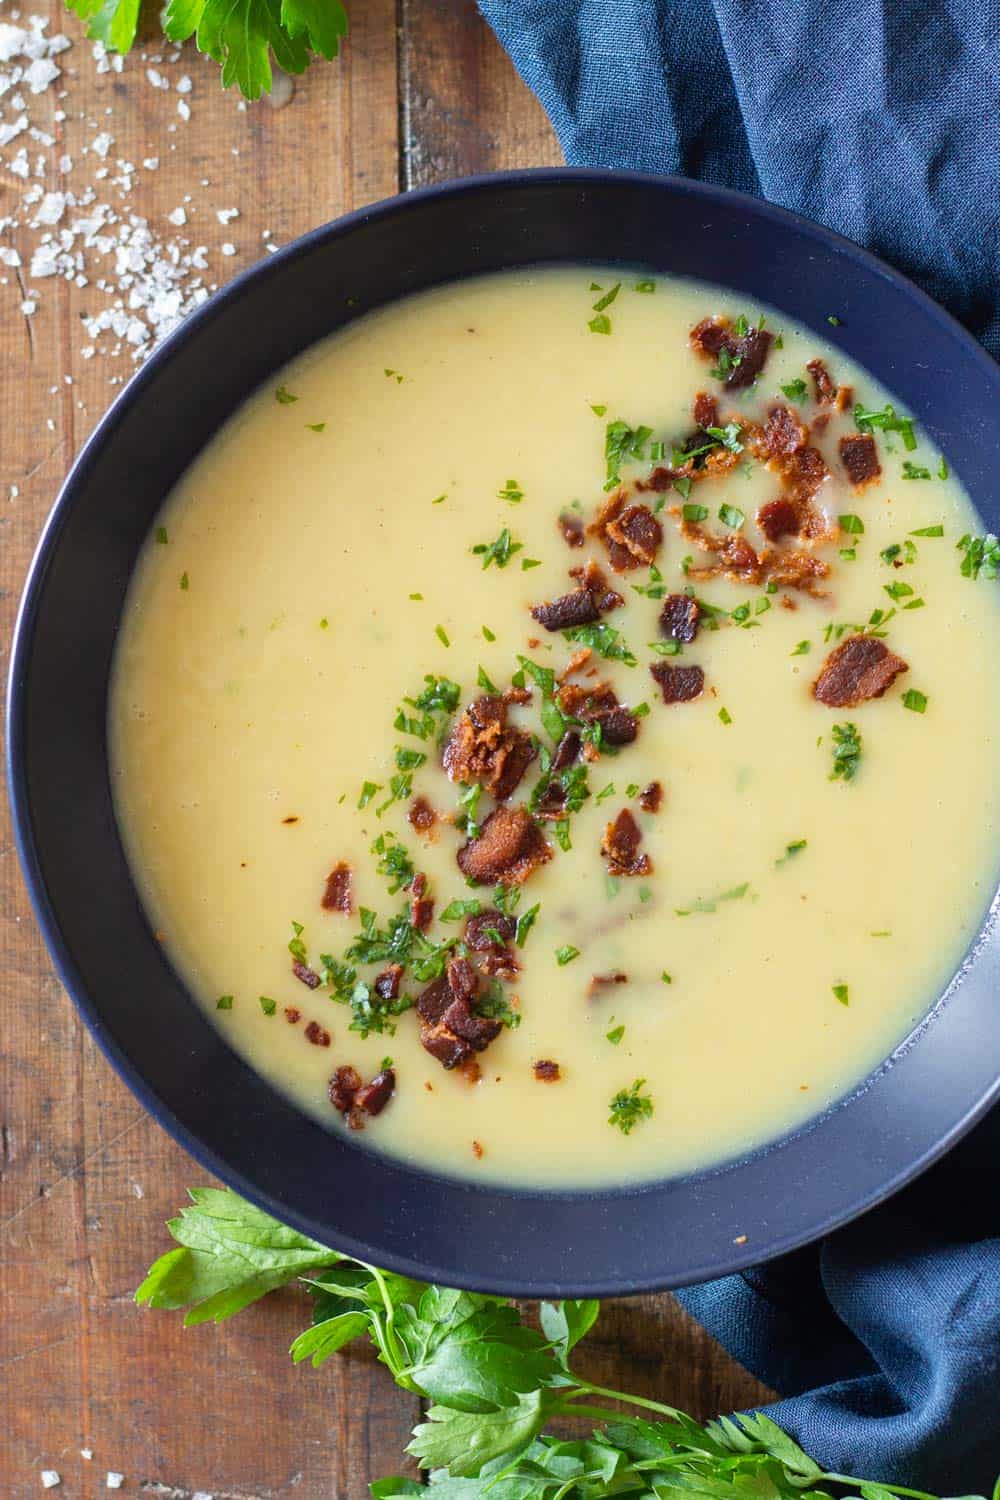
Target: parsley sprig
494,1383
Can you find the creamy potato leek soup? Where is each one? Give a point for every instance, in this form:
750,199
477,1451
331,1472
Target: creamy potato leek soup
550,727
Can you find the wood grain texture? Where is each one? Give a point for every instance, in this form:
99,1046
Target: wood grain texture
86,1178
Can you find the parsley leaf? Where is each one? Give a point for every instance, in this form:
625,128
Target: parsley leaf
630,1106
241,35
846,752
500,551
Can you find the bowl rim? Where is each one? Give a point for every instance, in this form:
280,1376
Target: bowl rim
29,857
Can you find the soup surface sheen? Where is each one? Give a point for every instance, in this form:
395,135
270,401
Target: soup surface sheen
318,560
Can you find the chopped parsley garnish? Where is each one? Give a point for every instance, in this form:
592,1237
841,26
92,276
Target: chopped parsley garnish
709,904
727,363
915,700
316,426
795,389
439,499
886,421
725,716
608,298
495,1006
506,898
224,1002
511,492
897,554
530,562
409,760
802,649
500,551
841,993
929,531
324,624
267,1005
645,286
283,396
488,634
604,639
598,410
898,589
566,955
665,648
728,436
442,635
667,978
185,582
600,323
368,791
833,320
484,681
393,375
982,555
623,444
632,790
694,512
615,1035
943,470
525,923
732,516
629,1106
394,863
655,588
846,752
456,910
852,524
915,471
468,801
608,791
791,850
161,535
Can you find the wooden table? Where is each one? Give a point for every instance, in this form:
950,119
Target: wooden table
86,1178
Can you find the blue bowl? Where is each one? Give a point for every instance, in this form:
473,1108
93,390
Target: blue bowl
523,1243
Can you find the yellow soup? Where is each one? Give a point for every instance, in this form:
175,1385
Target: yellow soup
389,509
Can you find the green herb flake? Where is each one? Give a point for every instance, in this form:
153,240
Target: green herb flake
915,471
161,535
283,396
488,634
442,635
598,411
185,582
608,298
887,420
929,531
667,978
943,470
600,323
981,556
530,562
605,640
324,624
484,681
615,1035
694,512
455,911
802,649
732,516
267,1005
418,597
224,1002
915,700
525,922
511,492
645,286
393,375
630,1106
791,850
852,524
623,444
499,551
316,426
795,389
833,320
605,793
369,789
841,993
846,752
682,486
439,499
566,955
725,716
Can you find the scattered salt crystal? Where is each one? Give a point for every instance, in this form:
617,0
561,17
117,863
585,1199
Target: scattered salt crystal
183,109
44,262
28,307
50,1479
10,132
157,79
114,1481
101,144
178,216
40,74
228,249
14,491
183,84
224,215
52,208
151,163
9,257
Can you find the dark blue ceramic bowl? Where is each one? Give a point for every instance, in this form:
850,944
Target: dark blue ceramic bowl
525,1243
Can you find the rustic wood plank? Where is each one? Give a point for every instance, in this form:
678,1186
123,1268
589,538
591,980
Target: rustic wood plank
463,108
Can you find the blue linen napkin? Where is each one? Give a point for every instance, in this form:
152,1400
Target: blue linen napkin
882,122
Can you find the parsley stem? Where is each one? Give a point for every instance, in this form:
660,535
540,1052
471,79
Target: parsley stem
893,1489
386,1336
585,1388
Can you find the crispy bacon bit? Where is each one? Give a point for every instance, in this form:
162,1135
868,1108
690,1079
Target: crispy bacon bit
860,668
859,456
600,982
678,684
577,608
450,1029
567,750
679,618
778,518
845,398
509,848
651,797
420,815
481,934
823,387
293,819
338,895
421,906
546,1071
571,527
747,353
596,703
783,432
797,570
484,748
477,1150
293,1015
317,1034
736,558
374,1096
342,1088
620,847
387,983
705,410
308,976
631,533
592,578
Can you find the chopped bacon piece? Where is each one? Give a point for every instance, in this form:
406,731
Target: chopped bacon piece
596,703
551,805
481,935
342,1088
546,1071
509,848
747,352
705,410
338,895
463,981
823,387
783,432
679,618
592,578
859,456
450,1029
860,668
308,976
567,750
845,396
477,1150
421,906
620,847
651,797
678,684
484,748
736,558
317,1034
797,570
600,982
476,1031
387,983
571,527
577,608
631,533
374,1096
421,815
293,1015
778,518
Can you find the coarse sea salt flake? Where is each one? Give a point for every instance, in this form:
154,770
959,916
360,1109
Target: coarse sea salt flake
51,208
184,84
40,74
114,1481
183,109
228,249
177,216
11,130
101,144
50,1479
